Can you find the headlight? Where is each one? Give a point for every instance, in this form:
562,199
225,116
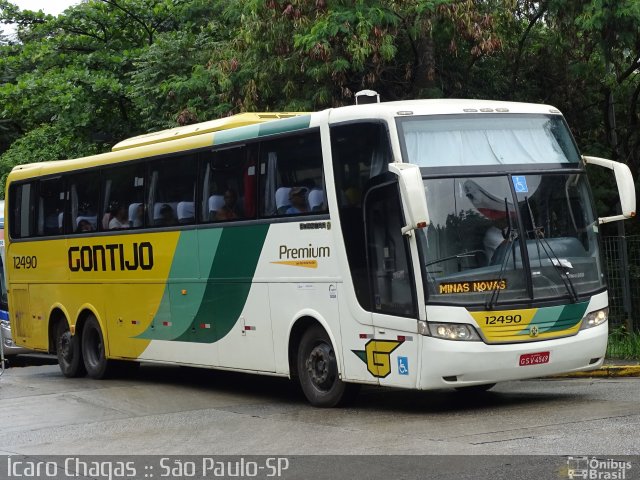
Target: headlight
453,331
594,319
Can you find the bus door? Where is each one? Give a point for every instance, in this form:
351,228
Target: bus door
393,355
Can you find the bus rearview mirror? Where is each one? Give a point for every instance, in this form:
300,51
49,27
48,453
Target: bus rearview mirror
626,187
413,195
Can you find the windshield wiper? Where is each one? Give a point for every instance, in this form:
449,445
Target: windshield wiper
510,237
553,258
467,254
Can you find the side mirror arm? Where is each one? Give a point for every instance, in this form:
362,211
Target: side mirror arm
626,187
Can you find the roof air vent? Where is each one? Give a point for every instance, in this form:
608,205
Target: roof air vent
367,96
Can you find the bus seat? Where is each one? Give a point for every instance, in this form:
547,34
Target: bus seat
51,224
282,199
60,221
157,218
316,200
133,210
216,202
186,212
92,219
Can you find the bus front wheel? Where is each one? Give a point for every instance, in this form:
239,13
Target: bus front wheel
95,359
318,370
68,351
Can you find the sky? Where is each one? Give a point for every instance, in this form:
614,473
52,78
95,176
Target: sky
53,7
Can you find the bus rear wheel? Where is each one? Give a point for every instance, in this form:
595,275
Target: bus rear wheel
93,352
318,370
68,351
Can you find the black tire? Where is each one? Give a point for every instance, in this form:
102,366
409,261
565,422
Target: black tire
68,351
95,360
476,388
318,371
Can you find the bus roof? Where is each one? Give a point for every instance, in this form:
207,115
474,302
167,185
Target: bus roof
245,126
446,106
226,123
385,109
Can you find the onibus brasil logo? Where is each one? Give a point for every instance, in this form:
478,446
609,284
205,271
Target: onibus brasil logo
597,469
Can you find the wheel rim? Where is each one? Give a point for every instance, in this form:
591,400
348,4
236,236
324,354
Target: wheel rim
320,366
64,346
94,347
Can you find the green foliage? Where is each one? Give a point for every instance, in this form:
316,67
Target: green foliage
623,344
44,143
108,69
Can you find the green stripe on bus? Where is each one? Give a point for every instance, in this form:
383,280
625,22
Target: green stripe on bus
261,129
209,309
236,134
569,317
556,319
285,125
230,277
174,318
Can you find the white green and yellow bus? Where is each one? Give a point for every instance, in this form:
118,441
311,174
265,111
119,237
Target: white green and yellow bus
419,244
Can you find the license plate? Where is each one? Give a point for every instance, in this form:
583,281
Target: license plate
537,358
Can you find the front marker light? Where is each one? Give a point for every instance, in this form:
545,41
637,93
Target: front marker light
453,331
423,328
595,318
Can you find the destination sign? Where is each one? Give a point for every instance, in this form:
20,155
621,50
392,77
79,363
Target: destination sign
473,286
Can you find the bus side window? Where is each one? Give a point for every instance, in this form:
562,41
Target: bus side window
49,205
22,210
123,186
228,185
291,169
172,181
84,201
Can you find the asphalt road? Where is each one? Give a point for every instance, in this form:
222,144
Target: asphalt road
160,410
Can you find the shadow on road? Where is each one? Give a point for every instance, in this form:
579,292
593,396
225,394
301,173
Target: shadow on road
29,360
275,389
285,391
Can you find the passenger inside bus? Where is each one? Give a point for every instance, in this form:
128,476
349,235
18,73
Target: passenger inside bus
298,199
229,210
136,215
84,226
167,217
119,217
282,200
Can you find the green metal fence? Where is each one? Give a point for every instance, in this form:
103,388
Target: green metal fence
621,255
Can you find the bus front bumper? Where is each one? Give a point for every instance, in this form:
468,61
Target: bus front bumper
453,364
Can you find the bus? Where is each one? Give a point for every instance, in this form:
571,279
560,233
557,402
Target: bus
7,347
419,244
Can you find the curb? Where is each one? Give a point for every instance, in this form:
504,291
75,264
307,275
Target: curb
606,371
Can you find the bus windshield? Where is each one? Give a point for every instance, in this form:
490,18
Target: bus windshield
491,139
509,238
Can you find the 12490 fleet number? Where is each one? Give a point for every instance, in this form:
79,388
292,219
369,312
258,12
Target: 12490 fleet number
25,262
502,319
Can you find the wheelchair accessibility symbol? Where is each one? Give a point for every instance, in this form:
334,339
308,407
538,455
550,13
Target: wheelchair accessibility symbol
520,184
403,365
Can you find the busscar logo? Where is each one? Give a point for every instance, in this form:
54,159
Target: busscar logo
315,226
302,256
